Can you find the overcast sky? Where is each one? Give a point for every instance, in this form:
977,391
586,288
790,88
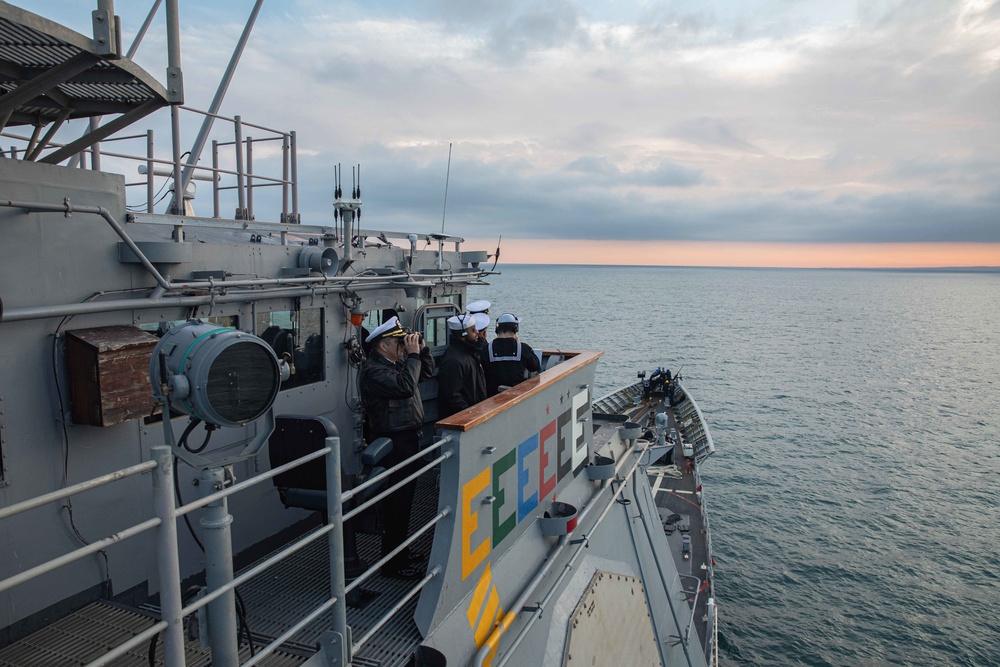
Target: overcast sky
751,121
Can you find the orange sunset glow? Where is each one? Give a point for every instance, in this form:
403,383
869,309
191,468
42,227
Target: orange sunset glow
776,255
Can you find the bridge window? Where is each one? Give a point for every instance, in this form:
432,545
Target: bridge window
434,320
296,336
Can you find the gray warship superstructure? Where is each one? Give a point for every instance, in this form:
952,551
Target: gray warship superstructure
184,474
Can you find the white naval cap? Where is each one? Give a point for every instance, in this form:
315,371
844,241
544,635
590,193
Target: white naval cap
481,306
508,318
461,322
390,327
482,320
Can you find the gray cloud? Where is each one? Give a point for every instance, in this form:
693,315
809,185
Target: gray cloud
768,121
712,132
588,202
662,174
547,26
699,125
943,171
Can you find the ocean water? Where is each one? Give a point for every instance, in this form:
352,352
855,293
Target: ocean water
855,493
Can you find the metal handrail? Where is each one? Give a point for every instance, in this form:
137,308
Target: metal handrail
56,144
694,605
709,444
398,485
76,554
399,466
355,647
93,547
289,633
257,479
255,570
154,522
233,120
286,180
325,531
89,549
172,611
663,581
68,491
407,542
715,640
703,505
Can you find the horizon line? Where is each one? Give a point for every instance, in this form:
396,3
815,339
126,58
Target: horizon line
953,256
955,269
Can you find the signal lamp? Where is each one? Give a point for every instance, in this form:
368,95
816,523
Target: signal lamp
219,375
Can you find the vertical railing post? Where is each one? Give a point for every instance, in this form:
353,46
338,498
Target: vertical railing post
175,95
177,205
215,524
335,512
168,560
295,176
215,176
284,178
240,186
250,178
95,148
150,165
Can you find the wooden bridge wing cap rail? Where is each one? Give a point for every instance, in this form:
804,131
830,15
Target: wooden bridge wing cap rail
473,416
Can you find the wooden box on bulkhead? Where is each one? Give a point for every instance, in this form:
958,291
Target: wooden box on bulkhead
109,374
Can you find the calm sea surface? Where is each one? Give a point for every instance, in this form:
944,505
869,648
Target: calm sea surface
855,494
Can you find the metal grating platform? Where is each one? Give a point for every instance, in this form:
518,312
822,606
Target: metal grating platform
48,71
282,595
89,633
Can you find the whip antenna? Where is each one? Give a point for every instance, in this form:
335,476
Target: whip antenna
497,255
447,176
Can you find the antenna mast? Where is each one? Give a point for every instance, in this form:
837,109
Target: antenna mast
447,176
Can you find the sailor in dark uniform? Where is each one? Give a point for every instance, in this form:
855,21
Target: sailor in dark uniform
391,398
482,324
507,361
460,380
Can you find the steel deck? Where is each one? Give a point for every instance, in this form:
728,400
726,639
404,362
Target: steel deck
675,490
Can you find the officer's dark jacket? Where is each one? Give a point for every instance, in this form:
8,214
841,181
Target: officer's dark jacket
390,394
460,381
504,362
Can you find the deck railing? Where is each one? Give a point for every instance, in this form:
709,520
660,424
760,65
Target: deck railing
692,422
711,636
240,148
621,400
93,547
220,598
